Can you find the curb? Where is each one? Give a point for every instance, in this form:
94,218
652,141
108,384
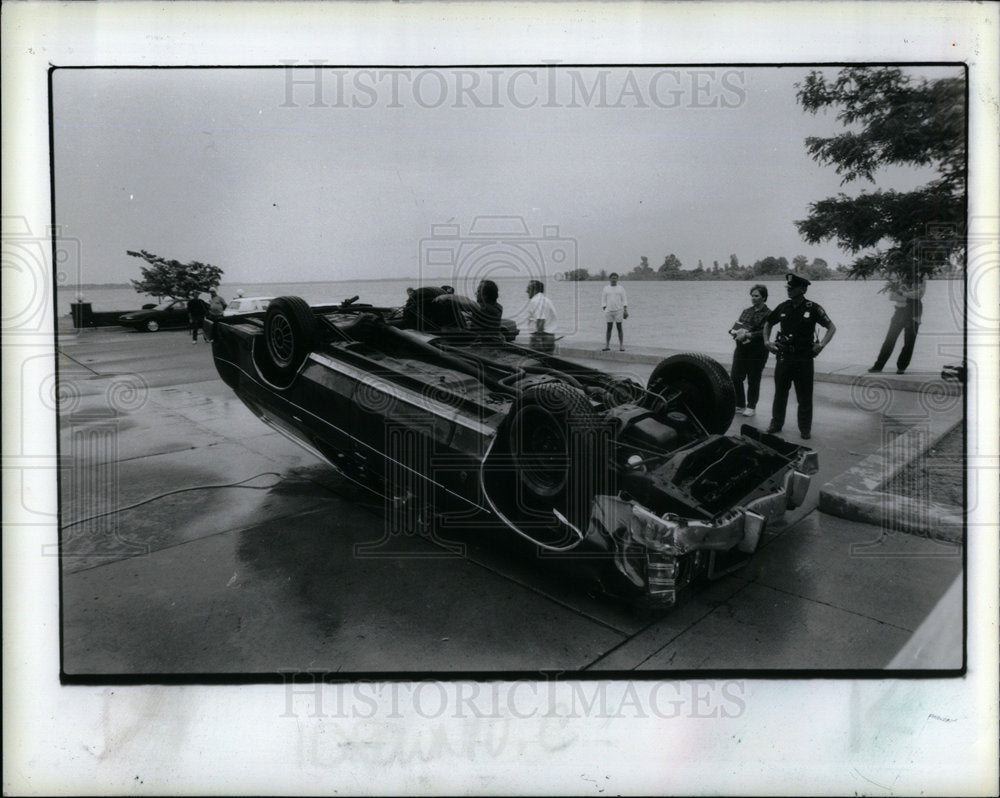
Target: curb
843,374
855,494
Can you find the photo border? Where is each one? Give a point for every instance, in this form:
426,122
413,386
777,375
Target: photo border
141,721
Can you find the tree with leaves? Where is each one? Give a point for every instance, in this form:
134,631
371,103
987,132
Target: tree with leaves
643,271
817,270
891,119
174,279
770,265
670,267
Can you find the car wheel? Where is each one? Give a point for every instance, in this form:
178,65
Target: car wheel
560,449
702,387
152,325
289,329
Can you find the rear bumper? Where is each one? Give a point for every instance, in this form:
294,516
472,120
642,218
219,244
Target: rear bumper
740,527
659,555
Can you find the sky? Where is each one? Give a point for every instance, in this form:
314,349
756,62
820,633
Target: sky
306,174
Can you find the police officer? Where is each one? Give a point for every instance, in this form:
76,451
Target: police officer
795,347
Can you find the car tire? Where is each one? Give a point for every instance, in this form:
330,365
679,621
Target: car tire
289,331
706,389
560,449
152,325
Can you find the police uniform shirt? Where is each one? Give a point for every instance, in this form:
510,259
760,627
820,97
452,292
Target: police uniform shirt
799,323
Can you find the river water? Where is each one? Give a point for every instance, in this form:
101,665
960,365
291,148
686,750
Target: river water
688,315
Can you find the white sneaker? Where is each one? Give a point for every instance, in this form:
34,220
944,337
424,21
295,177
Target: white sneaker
739,410
194,342
748,412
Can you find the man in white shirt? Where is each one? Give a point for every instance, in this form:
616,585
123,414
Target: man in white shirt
541,311
614,303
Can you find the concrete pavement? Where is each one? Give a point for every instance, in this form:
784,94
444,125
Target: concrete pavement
197,541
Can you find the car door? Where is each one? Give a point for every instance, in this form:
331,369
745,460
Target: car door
176,315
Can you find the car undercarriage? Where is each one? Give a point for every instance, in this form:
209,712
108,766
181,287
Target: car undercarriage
636,487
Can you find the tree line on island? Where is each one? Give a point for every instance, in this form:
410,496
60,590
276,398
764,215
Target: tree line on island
890,119
672,269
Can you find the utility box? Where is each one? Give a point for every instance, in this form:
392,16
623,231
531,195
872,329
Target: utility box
83,314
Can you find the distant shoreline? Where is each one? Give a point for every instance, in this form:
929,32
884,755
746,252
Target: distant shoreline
769,278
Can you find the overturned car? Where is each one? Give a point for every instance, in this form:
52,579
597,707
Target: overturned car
637,488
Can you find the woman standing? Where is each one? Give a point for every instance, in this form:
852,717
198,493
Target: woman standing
750,354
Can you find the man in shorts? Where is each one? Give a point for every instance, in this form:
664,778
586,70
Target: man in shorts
614,303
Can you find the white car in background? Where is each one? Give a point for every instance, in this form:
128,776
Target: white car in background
236,307
247,304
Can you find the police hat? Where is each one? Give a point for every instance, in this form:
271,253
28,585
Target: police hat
795,281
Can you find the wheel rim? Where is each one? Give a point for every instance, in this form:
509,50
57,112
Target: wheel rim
541,452
280,339
701,385
152,325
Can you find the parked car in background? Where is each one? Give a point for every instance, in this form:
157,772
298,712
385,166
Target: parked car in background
170,314
637,488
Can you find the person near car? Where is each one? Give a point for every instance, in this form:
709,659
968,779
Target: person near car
750,354
907,296
485,318
541,311
216,305
795,347
614,303
197,308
